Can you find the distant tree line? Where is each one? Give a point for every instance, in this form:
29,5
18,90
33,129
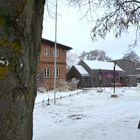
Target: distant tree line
132,55
99,55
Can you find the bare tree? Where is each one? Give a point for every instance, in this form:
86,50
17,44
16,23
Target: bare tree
83,55
99,55
72,58
115,16
20,37
132,56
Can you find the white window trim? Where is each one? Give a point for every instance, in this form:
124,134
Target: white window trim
46,52
57,73
46,71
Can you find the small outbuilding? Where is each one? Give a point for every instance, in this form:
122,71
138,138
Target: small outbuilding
92,73
130,76
81,74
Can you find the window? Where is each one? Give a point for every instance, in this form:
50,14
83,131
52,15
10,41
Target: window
107,78
112,79
121,79
56,73
117,79
86,79
57,53
47,52
64,52
47,72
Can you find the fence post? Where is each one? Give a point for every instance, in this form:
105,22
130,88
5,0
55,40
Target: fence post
48,102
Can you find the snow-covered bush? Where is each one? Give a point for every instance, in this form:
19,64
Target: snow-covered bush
73,84
62,85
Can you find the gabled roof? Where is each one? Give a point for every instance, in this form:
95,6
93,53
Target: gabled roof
101,65
58,44
81,70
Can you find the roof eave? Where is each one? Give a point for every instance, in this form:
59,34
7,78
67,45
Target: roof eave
59,44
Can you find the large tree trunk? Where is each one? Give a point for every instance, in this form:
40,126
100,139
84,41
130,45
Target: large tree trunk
139,125
20,37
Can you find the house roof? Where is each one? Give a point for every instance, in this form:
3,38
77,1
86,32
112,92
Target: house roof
137,68
58,44
123,59
101,65
81,70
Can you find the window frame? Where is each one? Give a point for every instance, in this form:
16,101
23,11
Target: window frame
57,73
47,52
57,53
47,73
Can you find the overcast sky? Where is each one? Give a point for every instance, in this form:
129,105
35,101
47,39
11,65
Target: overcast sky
74,32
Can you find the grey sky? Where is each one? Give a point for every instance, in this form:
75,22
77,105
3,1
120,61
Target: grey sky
76,33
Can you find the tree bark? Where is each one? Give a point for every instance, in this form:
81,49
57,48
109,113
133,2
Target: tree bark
20,37
139,125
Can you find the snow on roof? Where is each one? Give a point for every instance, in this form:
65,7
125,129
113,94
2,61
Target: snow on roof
137,68
101,65
81,70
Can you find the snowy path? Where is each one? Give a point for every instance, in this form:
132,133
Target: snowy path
90,116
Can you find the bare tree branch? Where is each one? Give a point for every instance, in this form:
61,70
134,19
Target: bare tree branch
118,16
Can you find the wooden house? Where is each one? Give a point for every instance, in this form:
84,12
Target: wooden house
130,78
96,73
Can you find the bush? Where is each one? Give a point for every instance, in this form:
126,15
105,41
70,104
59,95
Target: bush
73,84
62,85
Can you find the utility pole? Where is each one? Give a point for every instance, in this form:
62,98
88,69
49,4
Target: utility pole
55,52
100,79
114,75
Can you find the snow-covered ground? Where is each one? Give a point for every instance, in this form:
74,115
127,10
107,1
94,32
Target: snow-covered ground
88,115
